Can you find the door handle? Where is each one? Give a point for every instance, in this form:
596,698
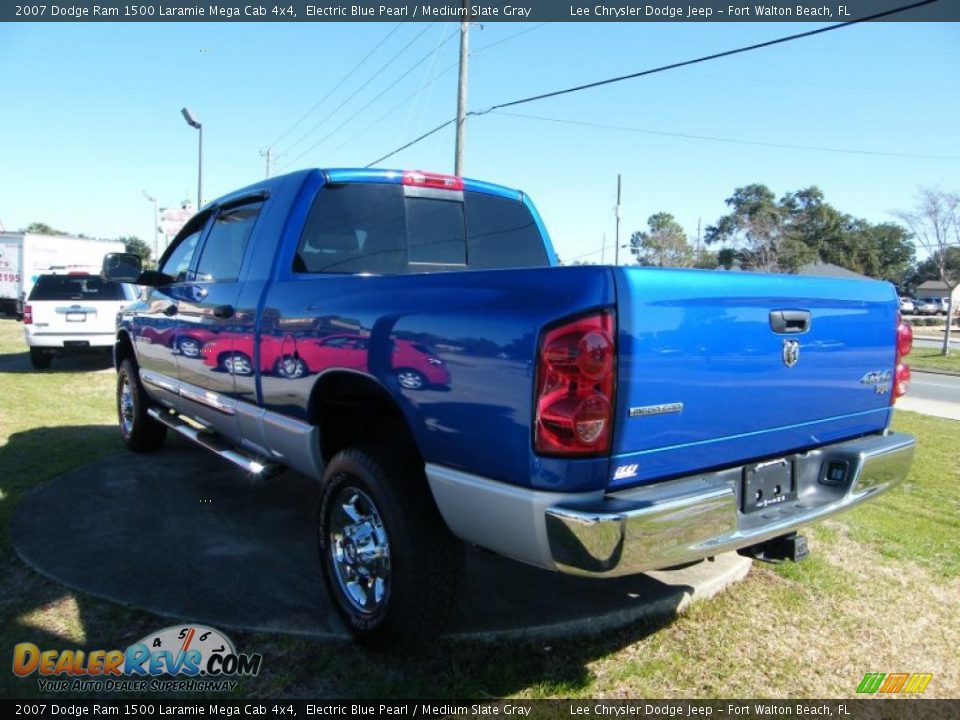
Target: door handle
170,310
223,311
790,322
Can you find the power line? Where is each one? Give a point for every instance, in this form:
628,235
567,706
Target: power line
338,85
359,89
423,87
437,77
736,141
664,68
390,86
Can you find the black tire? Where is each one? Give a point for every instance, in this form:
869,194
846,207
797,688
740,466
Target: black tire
39,360
424,561
139,431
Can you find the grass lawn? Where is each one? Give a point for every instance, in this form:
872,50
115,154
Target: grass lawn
931,359
880,591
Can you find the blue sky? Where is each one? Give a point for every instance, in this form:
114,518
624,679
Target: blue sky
90,115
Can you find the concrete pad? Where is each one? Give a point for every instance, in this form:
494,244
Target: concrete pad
183,534
937,408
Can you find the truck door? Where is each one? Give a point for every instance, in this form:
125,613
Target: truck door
155,324
214,344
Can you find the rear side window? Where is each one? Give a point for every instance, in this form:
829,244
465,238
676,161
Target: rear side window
502,234
226,244
354,228
74,287
376,228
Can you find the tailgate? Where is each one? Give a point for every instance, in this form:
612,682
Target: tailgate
68,317
720,368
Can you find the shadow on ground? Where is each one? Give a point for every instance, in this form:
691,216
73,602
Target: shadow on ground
187,537
76,362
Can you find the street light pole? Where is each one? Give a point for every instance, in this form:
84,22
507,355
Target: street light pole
194,123
156,225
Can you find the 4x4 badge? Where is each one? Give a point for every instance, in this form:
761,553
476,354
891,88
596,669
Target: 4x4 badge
791,352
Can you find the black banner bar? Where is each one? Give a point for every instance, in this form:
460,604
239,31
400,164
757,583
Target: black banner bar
858,709
828,11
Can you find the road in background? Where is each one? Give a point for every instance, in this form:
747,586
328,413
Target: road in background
933,394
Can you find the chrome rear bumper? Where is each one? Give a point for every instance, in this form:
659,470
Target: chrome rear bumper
691,518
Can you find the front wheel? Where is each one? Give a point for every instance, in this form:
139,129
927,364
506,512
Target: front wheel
140,432
411,379
389,562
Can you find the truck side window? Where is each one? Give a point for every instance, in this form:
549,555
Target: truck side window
226,244
178,262
354,228
501,233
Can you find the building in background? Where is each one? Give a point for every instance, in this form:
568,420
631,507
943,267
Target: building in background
172,221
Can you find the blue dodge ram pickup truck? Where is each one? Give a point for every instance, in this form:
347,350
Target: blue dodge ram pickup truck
408,340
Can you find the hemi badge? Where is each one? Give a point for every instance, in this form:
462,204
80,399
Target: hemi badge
656,409
625,471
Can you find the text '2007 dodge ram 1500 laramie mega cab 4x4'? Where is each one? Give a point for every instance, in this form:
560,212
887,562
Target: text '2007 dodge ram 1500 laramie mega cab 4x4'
406,339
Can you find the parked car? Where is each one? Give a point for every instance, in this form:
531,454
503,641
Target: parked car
926,306
415,366
70,313
599,421
906,306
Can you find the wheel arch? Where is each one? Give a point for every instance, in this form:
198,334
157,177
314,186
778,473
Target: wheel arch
123,349
353,408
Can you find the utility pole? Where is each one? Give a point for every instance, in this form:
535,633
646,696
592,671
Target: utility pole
603,248
267,154
616,248
462,91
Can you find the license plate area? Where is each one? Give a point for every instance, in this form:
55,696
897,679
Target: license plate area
76,343
76,317
768,484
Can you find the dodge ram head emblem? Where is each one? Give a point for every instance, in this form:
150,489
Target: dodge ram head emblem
791,352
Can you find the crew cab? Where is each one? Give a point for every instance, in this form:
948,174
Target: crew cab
591,420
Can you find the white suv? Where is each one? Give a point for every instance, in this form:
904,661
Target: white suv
72,312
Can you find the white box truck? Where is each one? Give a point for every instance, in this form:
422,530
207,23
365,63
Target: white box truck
26,256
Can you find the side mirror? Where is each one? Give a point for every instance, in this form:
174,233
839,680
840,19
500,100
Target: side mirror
121,267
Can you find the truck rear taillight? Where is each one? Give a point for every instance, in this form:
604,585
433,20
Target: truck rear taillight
901,373
576,371
432,180
27,315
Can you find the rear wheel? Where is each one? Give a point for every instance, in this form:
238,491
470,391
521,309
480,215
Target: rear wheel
236,363
39,359
290,366
390,564
140,432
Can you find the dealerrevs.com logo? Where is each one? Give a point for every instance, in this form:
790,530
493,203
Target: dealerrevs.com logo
195,657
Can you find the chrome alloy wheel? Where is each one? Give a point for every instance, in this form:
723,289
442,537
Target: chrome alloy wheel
237,364
126,406
189,348
360,551
410,379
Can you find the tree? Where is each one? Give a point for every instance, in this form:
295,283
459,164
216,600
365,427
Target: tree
136,246
664,244
935,223
760,231
42,229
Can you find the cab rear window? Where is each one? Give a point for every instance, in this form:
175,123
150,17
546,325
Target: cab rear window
75,287
378,228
